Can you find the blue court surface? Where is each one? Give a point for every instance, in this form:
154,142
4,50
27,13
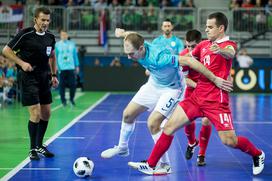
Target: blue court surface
98,129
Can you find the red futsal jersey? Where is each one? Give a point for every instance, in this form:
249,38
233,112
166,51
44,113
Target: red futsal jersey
207,100
206,90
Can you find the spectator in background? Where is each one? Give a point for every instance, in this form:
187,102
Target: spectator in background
234,5
247,4
258,4
261,21
116,62
114,3
164,3
189,4
68,66
268,8
100,4
153,2
152,18
244,60
97,63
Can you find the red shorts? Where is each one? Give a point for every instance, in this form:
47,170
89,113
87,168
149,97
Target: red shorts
188,92
219,114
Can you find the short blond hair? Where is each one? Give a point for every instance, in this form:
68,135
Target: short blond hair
135,39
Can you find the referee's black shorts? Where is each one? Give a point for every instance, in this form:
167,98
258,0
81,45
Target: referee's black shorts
35,88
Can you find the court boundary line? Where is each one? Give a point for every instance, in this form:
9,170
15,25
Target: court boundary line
144,122
16,169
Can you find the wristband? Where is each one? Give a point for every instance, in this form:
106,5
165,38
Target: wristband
54,75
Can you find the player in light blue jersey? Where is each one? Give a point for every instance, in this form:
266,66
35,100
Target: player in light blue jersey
168,40
160,94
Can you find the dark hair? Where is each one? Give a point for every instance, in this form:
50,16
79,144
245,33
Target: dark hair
167,20
135,39
41,9
193,35
220,18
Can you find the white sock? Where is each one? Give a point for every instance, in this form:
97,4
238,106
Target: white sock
125,133
165,157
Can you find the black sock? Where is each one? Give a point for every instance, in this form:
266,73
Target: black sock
32,130
41,132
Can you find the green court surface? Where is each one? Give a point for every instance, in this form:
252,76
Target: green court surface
14,140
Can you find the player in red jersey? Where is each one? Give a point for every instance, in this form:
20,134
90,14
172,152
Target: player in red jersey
192,38
207,100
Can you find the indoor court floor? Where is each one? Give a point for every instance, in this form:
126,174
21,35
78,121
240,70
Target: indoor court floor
94,124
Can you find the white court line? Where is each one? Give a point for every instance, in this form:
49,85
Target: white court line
64,137
143,122
27,160
48,169
103,121
33,169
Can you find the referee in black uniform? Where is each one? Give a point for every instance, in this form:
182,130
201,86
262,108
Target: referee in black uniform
32,49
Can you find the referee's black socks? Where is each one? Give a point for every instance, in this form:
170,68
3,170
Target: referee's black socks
32,130
42,126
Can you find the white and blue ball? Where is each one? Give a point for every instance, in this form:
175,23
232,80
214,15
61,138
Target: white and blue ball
83,167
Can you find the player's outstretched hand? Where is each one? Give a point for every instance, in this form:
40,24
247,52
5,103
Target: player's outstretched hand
119,32
223,84
215,48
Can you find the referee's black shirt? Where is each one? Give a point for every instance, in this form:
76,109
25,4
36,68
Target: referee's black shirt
33,47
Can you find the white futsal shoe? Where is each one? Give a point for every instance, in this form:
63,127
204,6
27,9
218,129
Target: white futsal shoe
258,164
116,150
161,169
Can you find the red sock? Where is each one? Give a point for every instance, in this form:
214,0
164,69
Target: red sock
190,132
246,146
204,137
160,148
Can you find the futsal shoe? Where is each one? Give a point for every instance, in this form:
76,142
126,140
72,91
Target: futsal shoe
190,150
146,169
258,164
137,165
116,150
33,155
45,152
201,160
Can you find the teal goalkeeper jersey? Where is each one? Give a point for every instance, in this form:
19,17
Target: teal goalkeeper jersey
174,44
162,65
66,55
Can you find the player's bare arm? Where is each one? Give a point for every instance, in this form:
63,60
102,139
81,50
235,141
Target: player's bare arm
53,68
119,32
8,53
228,52
190,82
197,66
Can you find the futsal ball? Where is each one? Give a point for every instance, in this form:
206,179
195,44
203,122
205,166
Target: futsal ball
83,167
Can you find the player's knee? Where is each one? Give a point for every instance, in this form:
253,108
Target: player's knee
35,116
168,129
127,117
45,115
228,141
154,128
205,121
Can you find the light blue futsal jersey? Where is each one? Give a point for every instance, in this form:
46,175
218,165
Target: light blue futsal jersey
162,65
174,44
